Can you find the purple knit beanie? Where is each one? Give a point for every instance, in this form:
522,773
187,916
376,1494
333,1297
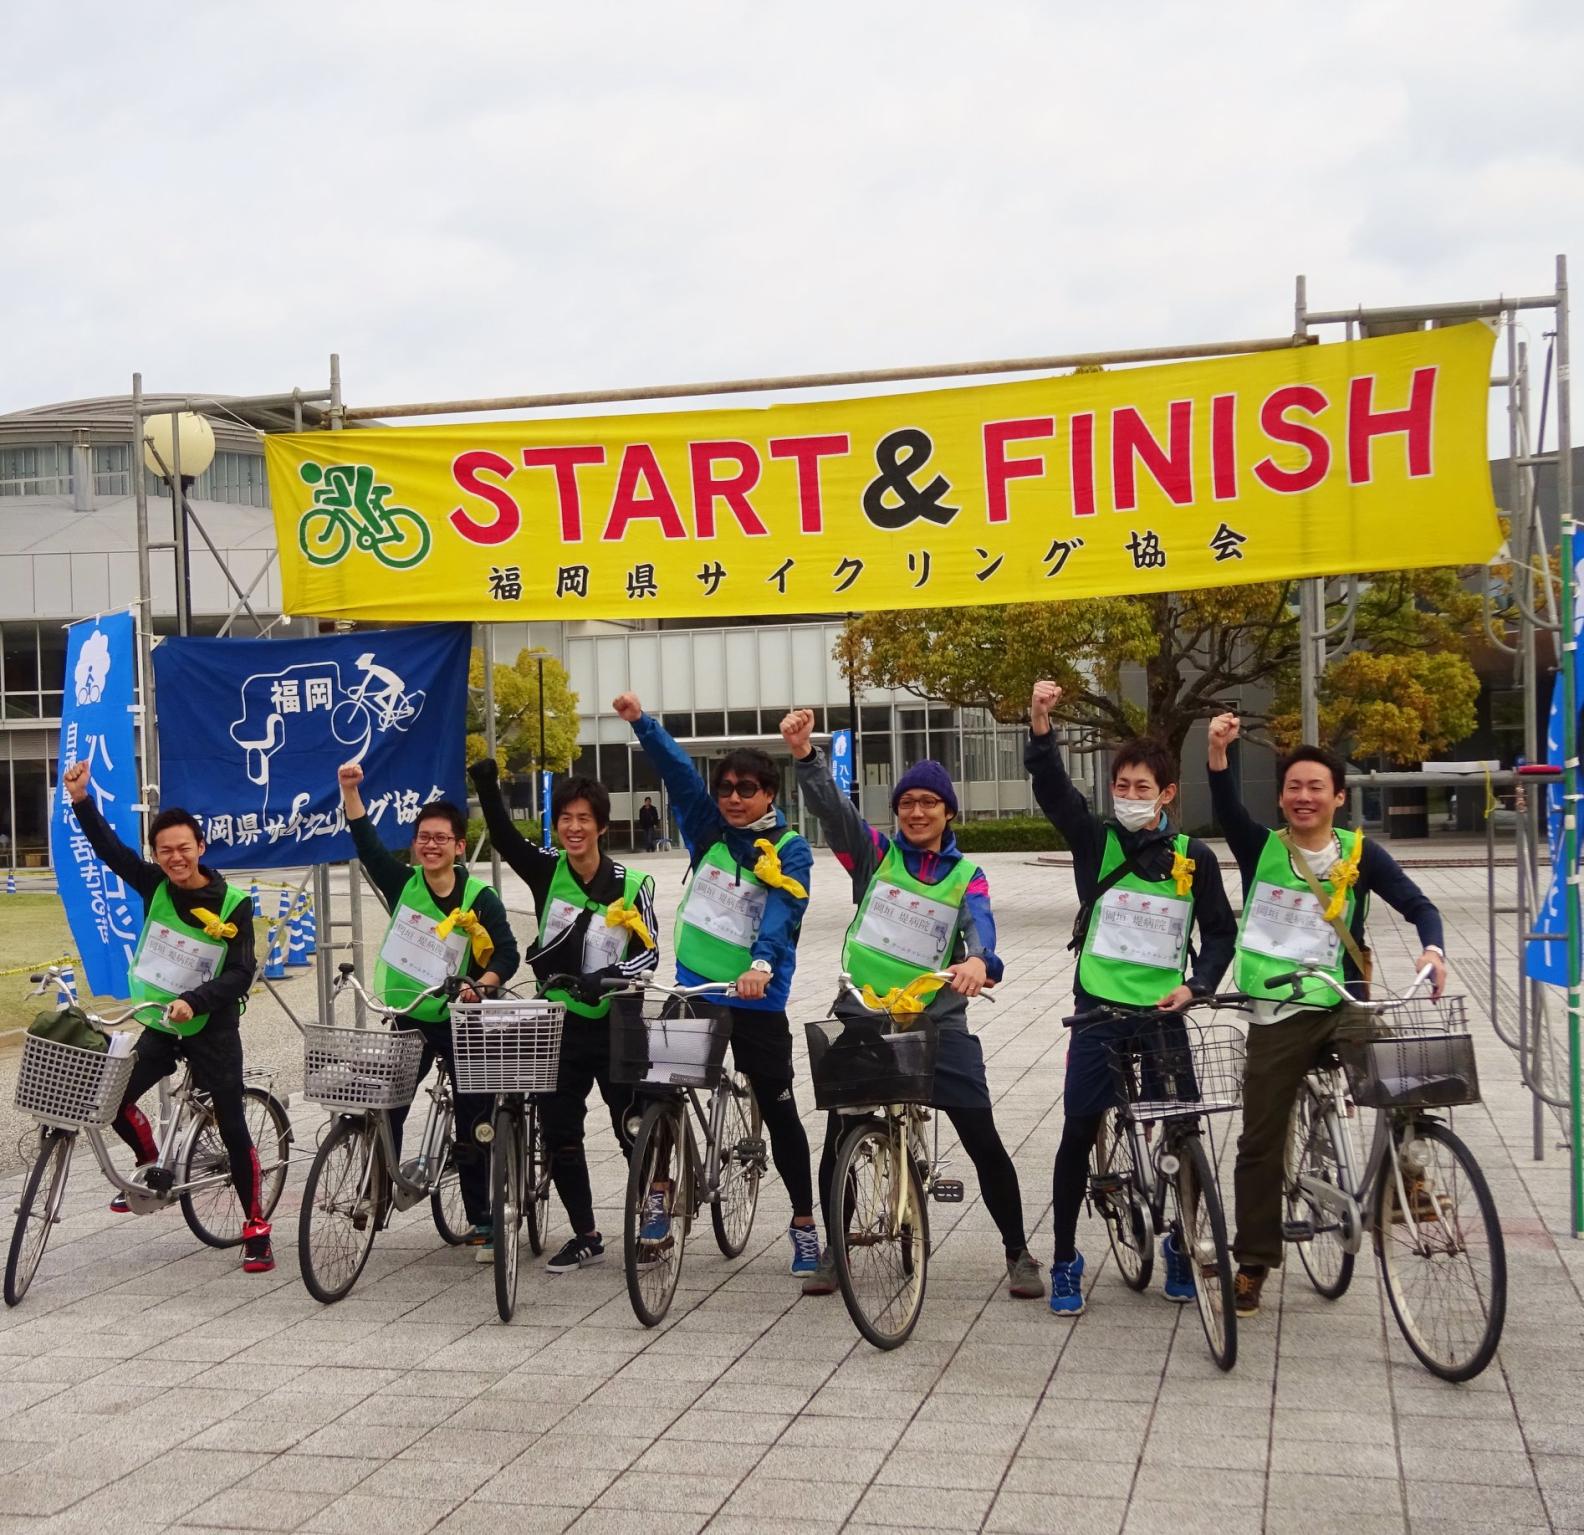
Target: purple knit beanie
929,776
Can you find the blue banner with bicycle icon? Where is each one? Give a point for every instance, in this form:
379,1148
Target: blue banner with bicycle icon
251,733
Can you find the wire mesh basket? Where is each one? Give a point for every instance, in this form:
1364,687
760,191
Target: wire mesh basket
1423,1058
854,1063
668,1041
361,1068
1175,1066
69,1086
509,1045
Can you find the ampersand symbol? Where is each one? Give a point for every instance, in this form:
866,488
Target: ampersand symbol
899,455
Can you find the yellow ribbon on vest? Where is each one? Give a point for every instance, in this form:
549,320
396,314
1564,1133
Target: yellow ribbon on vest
902,1002
1183,872
478,935
213,927
1344,878
768,871
620,914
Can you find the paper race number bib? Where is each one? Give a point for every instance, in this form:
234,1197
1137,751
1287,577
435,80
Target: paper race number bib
1141,929
1288,924
412,948
174,961
716,904
907,926
603,945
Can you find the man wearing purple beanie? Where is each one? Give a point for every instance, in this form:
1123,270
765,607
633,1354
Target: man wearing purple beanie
922,860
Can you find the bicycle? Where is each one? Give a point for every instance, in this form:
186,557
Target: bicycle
671,1051
355,1183
884,1168
72,1090
511,1047
350,507
1170,1072
1432,1221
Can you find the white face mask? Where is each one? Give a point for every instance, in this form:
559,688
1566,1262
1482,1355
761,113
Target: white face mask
1136,814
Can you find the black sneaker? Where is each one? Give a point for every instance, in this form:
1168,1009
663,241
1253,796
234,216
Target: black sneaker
577,1254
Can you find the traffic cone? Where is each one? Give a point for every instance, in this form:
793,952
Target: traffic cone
11,882
310,928
296,949
258,905
275,964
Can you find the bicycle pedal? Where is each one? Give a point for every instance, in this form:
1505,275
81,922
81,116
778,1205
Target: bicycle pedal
1106,1183
1298,1231
749,1150
948,1191
159,1180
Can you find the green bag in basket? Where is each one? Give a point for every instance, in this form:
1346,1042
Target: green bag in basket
69,1026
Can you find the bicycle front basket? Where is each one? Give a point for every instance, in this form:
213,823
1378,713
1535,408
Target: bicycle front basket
510,1045
361,1068
1425,1061
854,1063
1175,1067
69,1086
668,1041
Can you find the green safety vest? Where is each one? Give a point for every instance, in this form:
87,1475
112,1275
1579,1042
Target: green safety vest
412,957
175,955
720,915
903,927
1135,949
565,902
1283,925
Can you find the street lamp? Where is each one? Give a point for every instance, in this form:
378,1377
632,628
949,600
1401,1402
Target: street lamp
178,446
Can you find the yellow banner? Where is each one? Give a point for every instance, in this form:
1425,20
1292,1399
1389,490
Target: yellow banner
1368,455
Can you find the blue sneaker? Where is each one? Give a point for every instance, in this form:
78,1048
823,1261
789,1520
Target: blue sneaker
657,1219
1179,1273
1066,1293
805,1248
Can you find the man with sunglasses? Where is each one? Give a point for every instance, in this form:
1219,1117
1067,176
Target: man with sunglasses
443,922
739,922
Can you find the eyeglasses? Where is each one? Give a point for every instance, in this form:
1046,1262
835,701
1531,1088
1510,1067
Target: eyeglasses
738,788
433,839
920,802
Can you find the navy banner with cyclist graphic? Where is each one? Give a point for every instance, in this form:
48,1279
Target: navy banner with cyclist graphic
251,733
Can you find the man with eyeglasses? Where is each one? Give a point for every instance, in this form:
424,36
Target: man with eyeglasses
443,922
922,907
739,922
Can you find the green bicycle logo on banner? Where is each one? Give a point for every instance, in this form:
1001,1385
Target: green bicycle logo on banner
348,506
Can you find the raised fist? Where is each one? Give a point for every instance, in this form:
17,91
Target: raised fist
1224,729
485,771
349,775
795,730
628,707
1045,697
77,781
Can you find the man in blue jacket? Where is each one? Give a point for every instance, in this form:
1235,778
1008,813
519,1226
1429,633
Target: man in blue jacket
739,923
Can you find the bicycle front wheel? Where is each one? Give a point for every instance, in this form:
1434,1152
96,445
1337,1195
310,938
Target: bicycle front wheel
1312,1153
741,1167
1201,1234
657,1208
447,1205
536,1191
1443,1259
506,1206
341,1207
37,1211
882,1251
1114,1192
214,1213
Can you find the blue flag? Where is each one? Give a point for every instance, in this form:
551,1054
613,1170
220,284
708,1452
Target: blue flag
841,760
96,727
251,733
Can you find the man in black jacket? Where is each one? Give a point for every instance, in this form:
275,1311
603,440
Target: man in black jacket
203,980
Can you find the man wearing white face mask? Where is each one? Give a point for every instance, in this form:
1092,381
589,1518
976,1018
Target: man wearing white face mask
1141,889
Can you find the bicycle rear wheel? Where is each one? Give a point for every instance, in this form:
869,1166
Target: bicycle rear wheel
1201,1234
536,1195
342,1204
37,1211
658,1173
506,1206
1312,1153
1443,1260
214,1213
882,1252
446,1204
1114,1192
741,1167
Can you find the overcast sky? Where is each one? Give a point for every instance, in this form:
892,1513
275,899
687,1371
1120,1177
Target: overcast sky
469,199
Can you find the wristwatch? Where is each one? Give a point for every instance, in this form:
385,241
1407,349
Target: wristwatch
762,966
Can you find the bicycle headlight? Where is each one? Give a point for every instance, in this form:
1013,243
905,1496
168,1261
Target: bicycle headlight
631,1125
484,1132
1170,1163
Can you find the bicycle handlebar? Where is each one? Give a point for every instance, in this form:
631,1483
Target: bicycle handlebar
844,984
51,976
1108,1012
1311,970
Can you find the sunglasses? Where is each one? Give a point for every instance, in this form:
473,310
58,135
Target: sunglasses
738,788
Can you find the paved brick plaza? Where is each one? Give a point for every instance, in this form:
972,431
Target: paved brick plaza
148,1384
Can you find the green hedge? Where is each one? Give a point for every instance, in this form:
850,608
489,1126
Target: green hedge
1014,834
529,829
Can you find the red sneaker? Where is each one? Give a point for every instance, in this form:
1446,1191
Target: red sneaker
257,1255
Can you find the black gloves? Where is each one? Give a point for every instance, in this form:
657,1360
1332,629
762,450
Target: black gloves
485,771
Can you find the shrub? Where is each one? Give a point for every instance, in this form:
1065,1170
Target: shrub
1012,834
